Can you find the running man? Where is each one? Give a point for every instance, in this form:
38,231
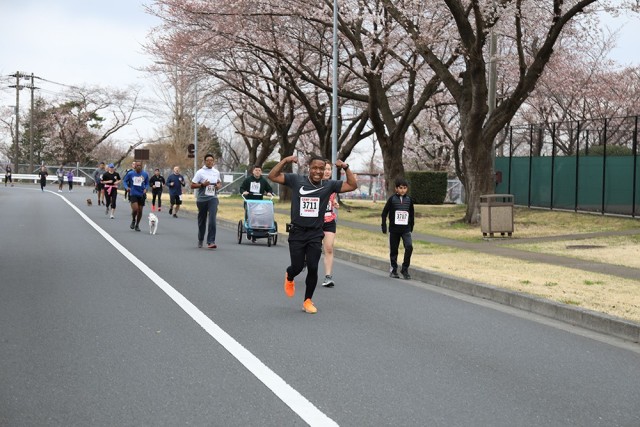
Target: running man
60,174
156,183
309,199
137,181
126,172
43,174
7,176
97,178
254,186
207,182
175,182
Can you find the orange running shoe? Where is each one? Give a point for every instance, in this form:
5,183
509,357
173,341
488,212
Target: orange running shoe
308,307
289,286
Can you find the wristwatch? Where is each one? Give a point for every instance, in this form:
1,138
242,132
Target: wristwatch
345,166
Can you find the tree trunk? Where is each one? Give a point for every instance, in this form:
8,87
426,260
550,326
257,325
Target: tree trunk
392,162
477,161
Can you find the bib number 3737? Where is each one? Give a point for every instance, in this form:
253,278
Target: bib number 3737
309,206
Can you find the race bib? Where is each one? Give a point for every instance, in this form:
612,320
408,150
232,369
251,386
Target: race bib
402,218
157,184
309,206
329,210
138,180
254,188
210,190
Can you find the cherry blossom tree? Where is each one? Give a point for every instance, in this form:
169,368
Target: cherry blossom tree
533,28
580,84
85,118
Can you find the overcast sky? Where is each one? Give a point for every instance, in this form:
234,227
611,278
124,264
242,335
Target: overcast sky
90,42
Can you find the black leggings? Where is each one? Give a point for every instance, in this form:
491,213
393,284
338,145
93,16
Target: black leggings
153,200
110,197
304,250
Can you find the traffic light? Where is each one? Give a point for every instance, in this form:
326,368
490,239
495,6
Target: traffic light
191,149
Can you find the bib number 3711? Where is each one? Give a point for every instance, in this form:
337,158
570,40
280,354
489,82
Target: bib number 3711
309,206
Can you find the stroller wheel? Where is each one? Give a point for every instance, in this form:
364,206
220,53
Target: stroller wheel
240,231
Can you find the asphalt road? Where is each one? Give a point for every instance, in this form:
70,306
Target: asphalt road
103,326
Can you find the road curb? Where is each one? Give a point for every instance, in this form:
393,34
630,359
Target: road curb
587,319
577,316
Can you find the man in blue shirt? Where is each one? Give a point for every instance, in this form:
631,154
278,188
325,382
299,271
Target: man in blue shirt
309,199
137,181
175,182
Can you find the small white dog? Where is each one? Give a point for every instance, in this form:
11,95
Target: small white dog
153,223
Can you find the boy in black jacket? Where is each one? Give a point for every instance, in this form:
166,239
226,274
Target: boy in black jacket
399,209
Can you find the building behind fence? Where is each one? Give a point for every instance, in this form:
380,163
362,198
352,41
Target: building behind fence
589,165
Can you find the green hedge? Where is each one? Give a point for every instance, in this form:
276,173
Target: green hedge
612,150
427,188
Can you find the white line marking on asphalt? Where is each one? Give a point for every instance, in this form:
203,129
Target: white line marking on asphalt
291,397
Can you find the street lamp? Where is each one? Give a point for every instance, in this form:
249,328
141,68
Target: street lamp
195,129
334,107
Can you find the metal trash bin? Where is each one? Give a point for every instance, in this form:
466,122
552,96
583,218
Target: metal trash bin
496,214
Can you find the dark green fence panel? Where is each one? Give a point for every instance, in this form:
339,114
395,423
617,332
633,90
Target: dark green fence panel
637,201
516,182
564,183
590,184
618,196
541,181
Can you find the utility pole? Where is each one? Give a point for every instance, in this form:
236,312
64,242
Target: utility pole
31,126
18,75
334,95
493,77
195,130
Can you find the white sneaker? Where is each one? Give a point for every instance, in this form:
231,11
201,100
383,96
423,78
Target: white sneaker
328,282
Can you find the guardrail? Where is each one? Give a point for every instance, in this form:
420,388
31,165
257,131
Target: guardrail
52,178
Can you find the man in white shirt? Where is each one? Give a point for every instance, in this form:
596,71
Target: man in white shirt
207,182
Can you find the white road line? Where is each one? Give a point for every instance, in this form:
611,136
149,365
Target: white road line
292,398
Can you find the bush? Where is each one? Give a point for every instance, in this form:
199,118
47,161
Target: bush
427,188
612,150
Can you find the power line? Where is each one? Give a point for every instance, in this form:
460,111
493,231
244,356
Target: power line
57,83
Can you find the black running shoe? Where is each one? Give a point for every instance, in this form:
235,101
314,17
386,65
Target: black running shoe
394,274
137,228
133,224
405,275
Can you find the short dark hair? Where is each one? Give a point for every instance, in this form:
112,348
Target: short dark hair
315,157
401,182
256,166
209,155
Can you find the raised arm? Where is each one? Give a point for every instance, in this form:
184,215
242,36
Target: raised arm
275,175
350,184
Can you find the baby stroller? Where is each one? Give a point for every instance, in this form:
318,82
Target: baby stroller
258,221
